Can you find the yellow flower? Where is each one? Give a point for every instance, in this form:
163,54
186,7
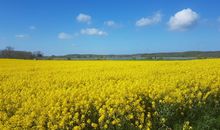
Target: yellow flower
105,126
76,128
94,125
130,116
61,94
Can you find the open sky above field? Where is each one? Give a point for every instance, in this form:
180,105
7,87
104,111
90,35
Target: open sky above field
110,27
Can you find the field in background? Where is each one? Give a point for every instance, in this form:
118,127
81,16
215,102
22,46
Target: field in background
113,95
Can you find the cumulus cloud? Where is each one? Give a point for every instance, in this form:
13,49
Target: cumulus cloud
93,31
84,18
156,18
110,23
183,20
32,27
21,36
64,36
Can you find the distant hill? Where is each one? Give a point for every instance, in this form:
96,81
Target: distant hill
9,52
145,56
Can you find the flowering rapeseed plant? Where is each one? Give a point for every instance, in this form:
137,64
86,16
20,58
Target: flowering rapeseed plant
108,94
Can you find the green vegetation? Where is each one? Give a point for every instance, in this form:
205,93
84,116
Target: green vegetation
9,52
147,56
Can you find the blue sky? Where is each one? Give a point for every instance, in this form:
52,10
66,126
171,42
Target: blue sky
110,27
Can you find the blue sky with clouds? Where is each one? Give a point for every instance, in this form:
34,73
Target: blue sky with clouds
109,27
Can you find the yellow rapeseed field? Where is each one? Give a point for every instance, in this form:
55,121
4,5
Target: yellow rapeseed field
113,95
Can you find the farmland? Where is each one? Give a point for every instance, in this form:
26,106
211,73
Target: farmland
110,95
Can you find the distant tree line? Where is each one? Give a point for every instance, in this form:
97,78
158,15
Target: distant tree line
10,53
188,55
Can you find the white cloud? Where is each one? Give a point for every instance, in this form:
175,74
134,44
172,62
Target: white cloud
110,23
64,36
21,36
218,19
84,18
93,31
32,27
183,20
156,18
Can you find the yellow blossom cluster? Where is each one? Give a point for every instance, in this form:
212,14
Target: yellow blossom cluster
107,95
